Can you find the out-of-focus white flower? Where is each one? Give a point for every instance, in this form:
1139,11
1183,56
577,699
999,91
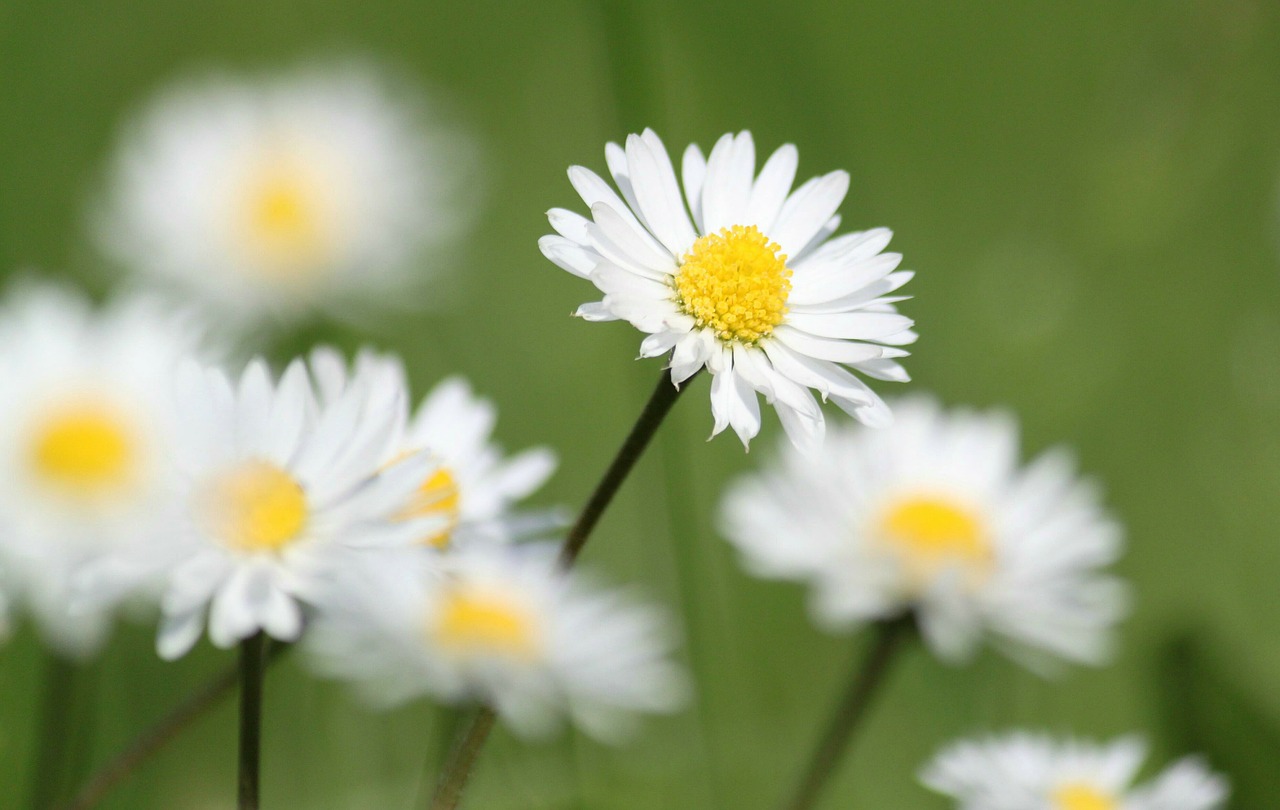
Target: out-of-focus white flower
473,487
85,425
936,516
1023,771
751,287
322,188
280,489
503,625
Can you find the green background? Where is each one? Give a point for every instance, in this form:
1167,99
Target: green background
1088,192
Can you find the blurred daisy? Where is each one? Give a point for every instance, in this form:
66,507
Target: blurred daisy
752,288
935,516
84,433
503,625
473,487
282,195
1026,772
280,491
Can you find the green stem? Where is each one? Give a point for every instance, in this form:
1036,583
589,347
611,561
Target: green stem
846,718
252,668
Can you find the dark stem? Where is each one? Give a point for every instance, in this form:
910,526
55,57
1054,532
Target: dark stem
849,713
466,749
54,733
158,735
252,667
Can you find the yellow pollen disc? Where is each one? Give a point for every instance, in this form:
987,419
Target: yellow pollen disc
437,496
1083,797
84,450
283,224
256,507
472,623
933,532
735,282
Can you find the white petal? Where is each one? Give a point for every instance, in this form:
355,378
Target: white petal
570,225
850,325
804,214
658,192
727,190
694,171
179,633
839,351
568,256
771,188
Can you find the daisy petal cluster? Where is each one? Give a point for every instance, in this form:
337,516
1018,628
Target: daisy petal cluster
269,197
747,281
935,516
503,625
84,462
1020,770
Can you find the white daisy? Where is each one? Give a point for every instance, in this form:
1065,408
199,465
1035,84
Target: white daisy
84,471
1033,772
752,288
283,194
935,516
473,487
503,625
278,491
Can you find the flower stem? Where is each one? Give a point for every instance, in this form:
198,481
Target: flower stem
466,749
48,778
850,711
252,668
158,735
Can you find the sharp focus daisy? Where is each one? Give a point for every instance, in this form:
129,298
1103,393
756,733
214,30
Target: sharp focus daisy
280,488
503,625
84,470
935,516
1034,772
747,282
315,188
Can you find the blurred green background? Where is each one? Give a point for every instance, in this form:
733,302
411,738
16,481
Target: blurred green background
1089,193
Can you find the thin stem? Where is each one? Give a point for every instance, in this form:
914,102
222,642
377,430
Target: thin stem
466,749
48,778
252,667
850,711
158,735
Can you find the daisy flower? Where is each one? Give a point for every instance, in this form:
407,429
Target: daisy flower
747,282
279,195
504,625
84,469
936,517
1033,772
278,491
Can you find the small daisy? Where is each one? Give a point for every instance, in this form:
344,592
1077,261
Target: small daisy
473,487
1033,772
84,468
284,194
503,625
752,287
935,516
279,489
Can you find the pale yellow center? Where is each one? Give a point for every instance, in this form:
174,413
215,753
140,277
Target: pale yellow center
479,623
283,223
735,282
256,506
1080,796
438,496
85,450
929,533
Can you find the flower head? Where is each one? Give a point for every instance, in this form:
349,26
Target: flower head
280,487
747,282
1019,771
280,195
85,428
500,624
935,516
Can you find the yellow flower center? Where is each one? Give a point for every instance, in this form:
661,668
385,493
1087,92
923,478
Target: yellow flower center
1079,796
284,226
438,496
85,450
256,506
735,282
486,623
931,532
